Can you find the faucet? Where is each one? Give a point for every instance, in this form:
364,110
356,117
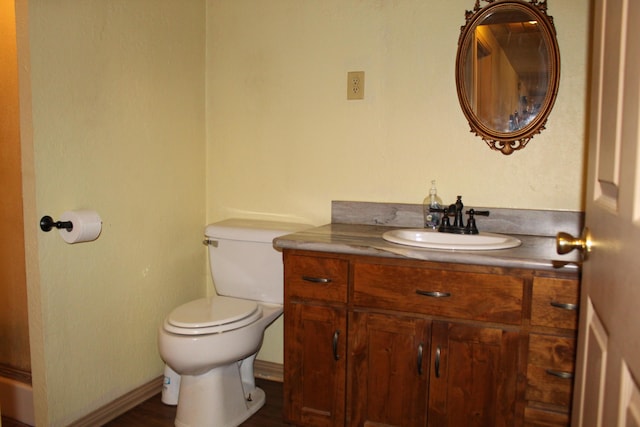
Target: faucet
457,210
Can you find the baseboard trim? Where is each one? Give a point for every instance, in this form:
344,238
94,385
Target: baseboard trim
268,371
121,405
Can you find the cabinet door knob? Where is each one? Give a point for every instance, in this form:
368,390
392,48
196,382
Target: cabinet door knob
336,335
437,362
420,350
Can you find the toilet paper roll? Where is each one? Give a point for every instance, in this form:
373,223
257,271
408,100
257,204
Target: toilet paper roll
87,226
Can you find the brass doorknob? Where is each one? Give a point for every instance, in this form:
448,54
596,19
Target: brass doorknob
565,243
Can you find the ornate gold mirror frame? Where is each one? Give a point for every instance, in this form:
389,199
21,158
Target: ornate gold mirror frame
507,71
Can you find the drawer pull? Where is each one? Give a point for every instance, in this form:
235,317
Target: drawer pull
560,374
316,279
336,335
434,294
420,359
564,306
437,362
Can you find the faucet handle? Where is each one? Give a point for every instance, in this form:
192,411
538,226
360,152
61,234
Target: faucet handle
471,223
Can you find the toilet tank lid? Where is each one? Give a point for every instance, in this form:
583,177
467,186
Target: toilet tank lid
252,230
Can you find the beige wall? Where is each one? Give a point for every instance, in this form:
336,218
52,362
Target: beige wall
117,125
282,138
283,141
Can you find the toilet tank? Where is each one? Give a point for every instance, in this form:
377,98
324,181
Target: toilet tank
242,259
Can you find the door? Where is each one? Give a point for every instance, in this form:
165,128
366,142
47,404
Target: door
474,371
608,361
389,371
315,356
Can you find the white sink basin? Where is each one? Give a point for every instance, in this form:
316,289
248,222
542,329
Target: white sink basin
425,238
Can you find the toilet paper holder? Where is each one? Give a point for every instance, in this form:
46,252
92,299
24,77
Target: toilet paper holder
47,224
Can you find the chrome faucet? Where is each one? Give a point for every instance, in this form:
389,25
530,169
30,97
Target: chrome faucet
457,210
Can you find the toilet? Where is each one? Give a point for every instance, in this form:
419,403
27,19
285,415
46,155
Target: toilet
211,343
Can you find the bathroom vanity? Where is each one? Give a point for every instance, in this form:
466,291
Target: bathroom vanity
384,335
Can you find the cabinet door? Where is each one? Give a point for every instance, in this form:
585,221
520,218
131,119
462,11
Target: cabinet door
473,376
315,361
389,371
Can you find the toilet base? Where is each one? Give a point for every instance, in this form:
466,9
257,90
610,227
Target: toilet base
218,398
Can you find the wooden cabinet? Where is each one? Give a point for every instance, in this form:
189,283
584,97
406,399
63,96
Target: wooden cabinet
468,372
389,342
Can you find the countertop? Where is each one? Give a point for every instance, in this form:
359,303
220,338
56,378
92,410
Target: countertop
536,252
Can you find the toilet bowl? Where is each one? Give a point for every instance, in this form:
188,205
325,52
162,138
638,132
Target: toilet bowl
212,342
217,385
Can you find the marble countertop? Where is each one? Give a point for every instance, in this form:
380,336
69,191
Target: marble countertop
536,252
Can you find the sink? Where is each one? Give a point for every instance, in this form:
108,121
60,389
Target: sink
426,238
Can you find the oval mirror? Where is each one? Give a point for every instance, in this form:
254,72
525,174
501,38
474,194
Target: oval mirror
507,71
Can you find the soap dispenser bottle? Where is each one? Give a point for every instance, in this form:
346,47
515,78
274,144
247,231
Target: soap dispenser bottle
432,201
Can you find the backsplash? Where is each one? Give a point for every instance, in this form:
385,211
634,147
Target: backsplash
510,221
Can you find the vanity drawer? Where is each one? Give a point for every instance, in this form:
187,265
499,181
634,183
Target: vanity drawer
555,303
318,278
463,295
550,369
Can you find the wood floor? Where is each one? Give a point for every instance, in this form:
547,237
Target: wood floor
153,413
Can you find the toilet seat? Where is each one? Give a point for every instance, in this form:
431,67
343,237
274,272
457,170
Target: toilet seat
212,315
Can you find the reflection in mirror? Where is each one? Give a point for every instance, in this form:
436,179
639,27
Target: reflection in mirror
507,71
519,80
